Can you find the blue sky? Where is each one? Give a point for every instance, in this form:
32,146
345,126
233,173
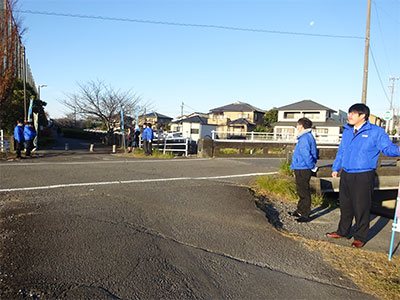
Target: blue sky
209,67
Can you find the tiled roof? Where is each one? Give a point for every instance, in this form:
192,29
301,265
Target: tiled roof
305,105
194,119
236,106
242,121
155,114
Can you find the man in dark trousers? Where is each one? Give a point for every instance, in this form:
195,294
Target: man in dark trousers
357,157
303,161
19,138
29,135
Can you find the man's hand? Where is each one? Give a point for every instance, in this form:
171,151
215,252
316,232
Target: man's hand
335,174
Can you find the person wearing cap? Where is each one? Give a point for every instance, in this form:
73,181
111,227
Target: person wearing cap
303,162
357,157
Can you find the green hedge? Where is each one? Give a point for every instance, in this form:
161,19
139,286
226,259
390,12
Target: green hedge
76,133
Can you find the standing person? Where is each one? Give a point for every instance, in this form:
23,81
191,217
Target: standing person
150,137
357,157
19,138
136,139
303,161
129,140
29,135
144,138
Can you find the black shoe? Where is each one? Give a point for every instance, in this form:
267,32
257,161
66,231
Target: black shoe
303,219
294,214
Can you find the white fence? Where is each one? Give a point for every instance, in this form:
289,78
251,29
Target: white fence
251,137
165,144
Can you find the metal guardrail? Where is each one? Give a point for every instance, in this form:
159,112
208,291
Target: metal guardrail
172,145
5,146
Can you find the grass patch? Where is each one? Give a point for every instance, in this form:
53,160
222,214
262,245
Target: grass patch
371,271
284,188
284,168
228,151
280,187
156,154
253,151
275,150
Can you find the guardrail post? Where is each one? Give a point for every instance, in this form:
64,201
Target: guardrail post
187,147
165,144
252,135
213,134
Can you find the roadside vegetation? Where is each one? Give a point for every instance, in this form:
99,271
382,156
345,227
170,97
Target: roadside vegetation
371,271
139,153
283,187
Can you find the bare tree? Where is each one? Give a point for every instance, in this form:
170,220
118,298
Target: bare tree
10,49
97,100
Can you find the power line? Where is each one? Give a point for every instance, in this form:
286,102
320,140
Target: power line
210,26
383,42
379,76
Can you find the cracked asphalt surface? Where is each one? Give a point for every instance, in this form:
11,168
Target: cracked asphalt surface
181,239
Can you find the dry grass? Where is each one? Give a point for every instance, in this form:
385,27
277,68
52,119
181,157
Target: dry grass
371,271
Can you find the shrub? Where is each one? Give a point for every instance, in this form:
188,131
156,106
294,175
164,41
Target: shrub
284,168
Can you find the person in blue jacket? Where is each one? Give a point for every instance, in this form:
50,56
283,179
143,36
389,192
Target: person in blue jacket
144,138
357,157
303,162
149,139
29,135
19,138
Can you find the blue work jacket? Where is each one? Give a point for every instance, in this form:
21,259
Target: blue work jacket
19,133
305,154
148,134
359,153
29,133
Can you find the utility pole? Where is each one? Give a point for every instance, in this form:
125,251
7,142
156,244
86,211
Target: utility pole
366,55
24,79
182,109
391,101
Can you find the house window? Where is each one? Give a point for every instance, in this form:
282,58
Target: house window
194,131
244,116
290,115
255,117
312,115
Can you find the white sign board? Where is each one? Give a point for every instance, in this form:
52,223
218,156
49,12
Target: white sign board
388,115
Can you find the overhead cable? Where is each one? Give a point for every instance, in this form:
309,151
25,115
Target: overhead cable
379,75
47,13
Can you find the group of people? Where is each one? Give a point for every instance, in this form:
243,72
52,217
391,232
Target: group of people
24,136
147,136
356,159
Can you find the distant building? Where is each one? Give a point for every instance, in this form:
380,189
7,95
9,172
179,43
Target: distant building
376,120
237,117
157,120
325,120
195,127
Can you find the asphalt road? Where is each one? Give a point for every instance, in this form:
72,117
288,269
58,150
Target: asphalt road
106,227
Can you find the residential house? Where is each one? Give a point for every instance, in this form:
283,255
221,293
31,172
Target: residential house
157,120
236,118
325,120
204,115
195,127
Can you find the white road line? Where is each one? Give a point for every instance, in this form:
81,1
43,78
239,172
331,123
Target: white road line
17,164
57,186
